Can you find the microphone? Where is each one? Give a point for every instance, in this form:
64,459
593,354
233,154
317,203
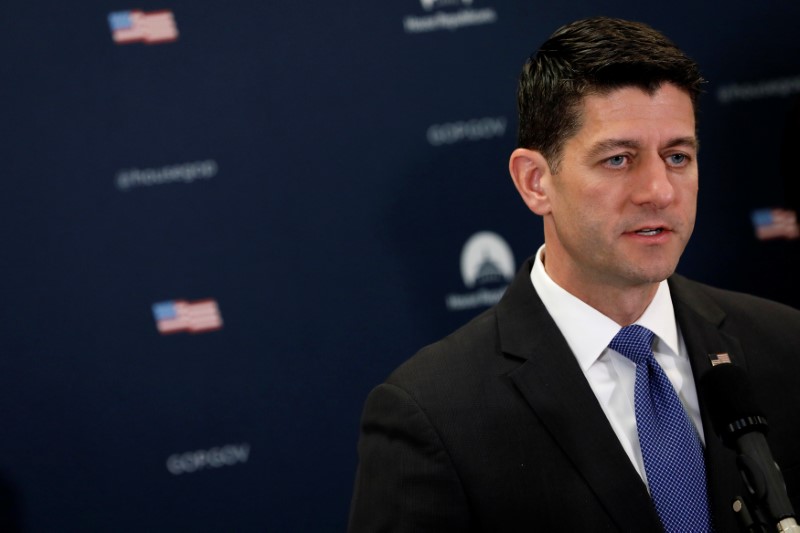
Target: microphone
741,424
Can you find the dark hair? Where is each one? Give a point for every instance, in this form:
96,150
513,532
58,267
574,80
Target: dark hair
593,56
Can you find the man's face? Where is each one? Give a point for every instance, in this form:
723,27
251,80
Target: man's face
622,206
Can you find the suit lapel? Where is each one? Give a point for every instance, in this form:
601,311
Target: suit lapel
700,321
552,383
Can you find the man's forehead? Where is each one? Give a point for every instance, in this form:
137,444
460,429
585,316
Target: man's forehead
648,89
632,95
625,112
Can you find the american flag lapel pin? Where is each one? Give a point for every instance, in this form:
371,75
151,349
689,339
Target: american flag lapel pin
719,358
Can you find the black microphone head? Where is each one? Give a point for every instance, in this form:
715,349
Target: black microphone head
731,404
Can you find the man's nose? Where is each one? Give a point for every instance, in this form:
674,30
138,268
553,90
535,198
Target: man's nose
653,183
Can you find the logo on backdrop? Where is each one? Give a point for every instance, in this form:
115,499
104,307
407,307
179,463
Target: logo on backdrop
476,129
487,267
175,316
155,27
758,90
182,173
430,4
217,457
775,223
448,15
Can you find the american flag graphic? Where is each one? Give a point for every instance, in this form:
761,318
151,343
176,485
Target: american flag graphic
176,316
775,224
719,358
137,26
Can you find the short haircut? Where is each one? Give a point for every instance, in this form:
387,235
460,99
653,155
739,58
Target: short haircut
593,56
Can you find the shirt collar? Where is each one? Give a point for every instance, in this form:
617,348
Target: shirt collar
587,331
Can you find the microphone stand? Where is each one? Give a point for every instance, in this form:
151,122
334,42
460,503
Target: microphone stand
759,524
743,427
748,524
766,506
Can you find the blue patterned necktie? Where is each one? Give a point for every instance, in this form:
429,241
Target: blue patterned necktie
671,449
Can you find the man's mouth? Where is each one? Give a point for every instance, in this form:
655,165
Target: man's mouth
649,231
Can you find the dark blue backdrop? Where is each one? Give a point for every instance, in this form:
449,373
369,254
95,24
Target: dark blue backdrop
315,168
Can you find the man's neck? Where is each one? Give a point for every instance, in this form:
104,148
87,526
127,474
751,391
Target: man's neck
624,304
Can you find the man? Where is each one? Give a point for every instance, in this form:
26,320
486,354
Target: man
534,416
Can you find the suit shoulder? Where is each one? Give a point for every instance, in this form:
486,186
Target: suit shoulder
737,306
461,355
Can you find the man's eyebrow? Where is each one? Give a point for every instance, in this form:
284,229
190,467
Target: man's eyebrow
690,142
609,145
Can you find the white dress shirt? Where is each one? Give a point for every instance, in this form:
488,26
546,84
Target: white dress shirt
610,374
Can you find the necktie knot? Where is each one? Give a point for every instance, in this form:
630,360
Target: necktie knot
635,343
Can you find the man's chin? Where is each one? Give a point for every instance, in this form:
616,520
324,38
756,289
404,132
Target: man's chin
654,276
649,273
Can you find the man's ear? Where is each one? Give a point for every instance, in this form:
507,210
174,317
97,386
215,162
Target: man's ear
531,175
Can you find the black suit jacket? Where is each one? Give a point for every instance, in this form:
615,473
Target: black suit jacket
496,429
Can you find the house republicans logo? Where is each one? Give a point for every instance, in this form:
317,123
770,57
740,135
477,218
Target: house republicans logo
217,457
487,267
429,5
448,15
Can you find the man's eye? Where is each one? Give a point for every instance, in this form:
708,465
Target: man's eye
616,161
677,159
